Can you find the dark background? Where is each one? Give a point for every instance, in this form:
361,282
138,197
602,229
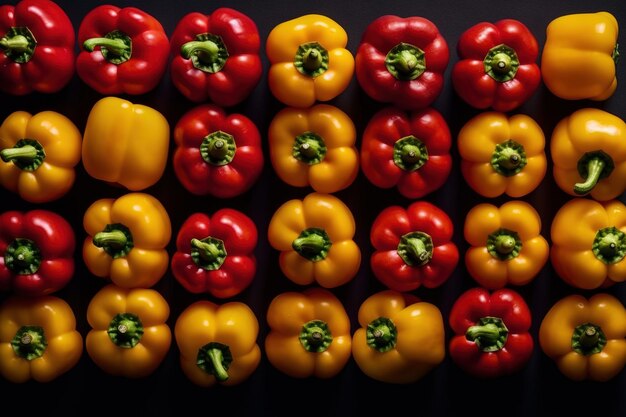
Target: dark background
539,389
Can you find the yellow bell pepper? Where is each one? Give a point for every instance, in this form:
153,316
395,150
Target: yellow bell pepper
129,335
400,340
309,334
315,239
38,338
589,243
125,144
579,56
127,239
39,154
308,60
586,338
588,150
218,343
506,246
502,154
314,147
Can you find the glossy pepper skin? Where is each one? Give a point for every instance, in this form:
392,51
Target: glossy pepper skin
497,66
39,154
315,237
123,50
216,57
589,243
38,338
502,154
413,247
308,60
125,144
36,47
506,245
409,151
400,338
37,248
217,153
401,61
491,332
126,240
218,343
586,338
588,151
579,56
129,335
314,147
215,254
309,334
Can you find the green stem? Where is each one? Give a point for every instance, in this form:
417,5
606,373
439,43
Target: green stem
501,63
115,46
593,166
215,358
311,59
29,342
609,245
504,244
125,330
312,244
207,52
218,148
594,170
409,153
588,339
405,61
208,253
309,148
381,334
18,44
415,248
489,334
22,257
27,153
116,240
508,158
315,336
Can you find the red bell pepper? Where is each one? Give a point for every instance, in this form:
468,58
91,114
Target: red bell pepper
497,65
402,61
38,252
215,254
409,151
36,47
413,247
492,336
217,153
123,50
216,57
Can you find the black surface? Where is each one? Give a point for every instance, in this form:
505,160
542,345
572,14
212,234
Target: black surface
539,389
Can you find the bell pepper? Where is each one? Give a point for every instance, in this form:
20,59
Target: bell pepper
216,57
413,246
401,61
497,65
129,335
314,147
217,154
123,50
409,151
125,144
218,343
308,60
589,243
586,338
39,154
38,252
400,338
588,151
36,47
315,237
215,254
506,245
579,56
127,240
491,332
309,334
502,154
38,338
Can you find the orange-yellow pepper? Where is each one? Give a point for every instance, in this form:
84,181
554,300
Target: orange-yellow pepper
309,334
586,337
314,147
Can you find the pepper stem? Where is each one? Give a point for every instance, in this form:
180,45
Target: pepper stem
309,148
504,244
125,330
311,59
19,44
405,61
508,158
593,166
312,243
215,358
415,248
25,153
22,257
207,52
489,334
208,253
615,54
594,170
29,342
609,245
218,148
115,239
115,46
588,339
501,63
381,334
315,336
409,153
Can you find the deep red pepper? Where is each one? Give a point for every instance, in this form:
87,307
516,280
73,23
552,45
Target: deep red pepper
216,57
123,50
497,65
409,151
491,332
217,153
402,61
36,47
37,250
215,254
413,247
